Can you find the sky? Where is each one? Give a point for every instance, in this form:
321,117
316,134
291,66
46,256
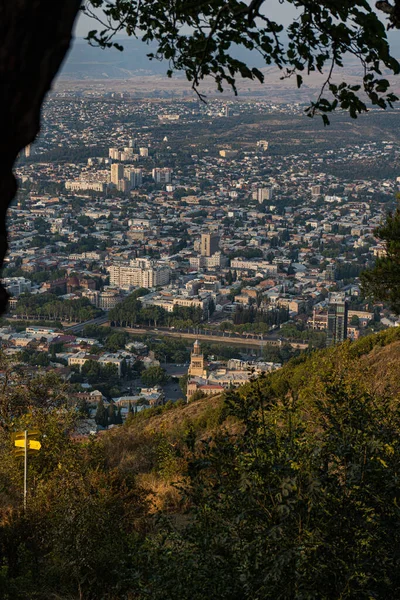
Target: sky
283,13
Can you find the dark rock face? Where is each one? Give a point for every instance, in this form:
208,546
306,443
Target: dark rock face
35,36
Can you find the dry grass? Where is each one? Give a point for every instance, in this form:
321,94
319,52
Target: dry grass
175,418
383,368
162,494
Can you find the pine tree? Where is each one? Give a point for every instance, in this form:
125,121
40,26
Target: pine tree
101,417
112,413
118,417
124,368
84,409
53,355
383,281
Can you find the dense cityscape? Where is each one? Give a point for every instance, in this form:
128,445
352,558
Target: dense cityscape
129,240
200,300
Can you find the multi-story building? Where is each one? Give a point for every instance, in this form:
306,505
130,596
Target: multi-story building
105,300
253,265
169,302
117,173
126,277
316,190
16,286
263,194
134,176
113,153
215,261
162,175
209,244
337,322
79,185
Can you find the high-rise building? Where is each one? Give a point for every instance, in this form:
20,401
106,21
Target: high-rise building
330,272
124,185
209,244
337,322
264,194
144,151
117,173
162,175
135,176
114,153
316,190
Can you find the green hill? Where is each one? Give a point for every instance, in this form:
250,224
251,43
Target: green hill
287,488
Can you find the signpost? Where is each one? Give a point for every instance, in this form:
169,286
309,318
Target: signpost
25,444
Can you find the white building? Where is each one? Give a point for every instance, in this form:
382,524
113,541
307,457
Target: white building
262,194
16,286
134,176
126,277
162,175
117,173
253,265
78,185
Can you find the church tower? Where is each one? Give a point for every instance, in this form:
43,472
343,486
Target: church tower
197,368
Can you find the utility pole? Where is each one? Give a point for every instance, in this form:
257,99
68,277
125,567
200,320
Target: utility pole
25,443
25,467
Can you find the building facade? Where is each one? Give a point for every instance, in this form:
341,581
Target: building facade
126,277
337,322
117,173
197,367
209,244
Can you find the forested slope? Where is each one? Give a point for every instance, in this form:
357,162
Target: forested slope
286,488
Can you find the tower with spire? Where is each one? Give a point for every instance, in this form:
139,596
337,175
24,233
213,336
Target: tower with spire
197,367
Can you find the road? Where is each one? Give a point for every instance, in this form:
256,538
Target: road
79,326
251,340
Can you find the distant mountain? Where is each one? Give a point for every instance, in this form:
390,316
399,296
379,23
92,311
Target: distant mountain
88,62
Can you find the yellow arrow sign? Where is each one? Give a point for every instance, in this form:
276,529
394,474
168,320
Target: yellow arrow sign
32,444
20,435
21,452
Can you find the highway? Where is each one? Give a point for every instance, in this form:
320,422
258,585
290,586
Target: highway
79,326
250,340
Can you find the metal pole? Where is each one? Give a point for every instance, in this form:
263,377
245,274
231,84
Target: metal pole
25,468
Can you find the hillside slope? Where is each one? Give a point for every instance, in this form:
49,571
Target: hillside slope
286,488
156,444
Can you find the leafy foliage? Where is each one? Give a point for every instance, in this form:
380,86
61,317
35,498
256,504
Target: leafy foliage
383,281
317,40
54,308
302,503
154,376
287,488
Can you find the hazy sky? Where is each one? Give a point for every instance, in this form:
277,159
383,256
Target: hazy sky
282,13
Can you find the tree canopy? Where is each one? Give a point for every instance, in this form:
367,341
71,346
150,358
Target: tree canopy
200,38
383,281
